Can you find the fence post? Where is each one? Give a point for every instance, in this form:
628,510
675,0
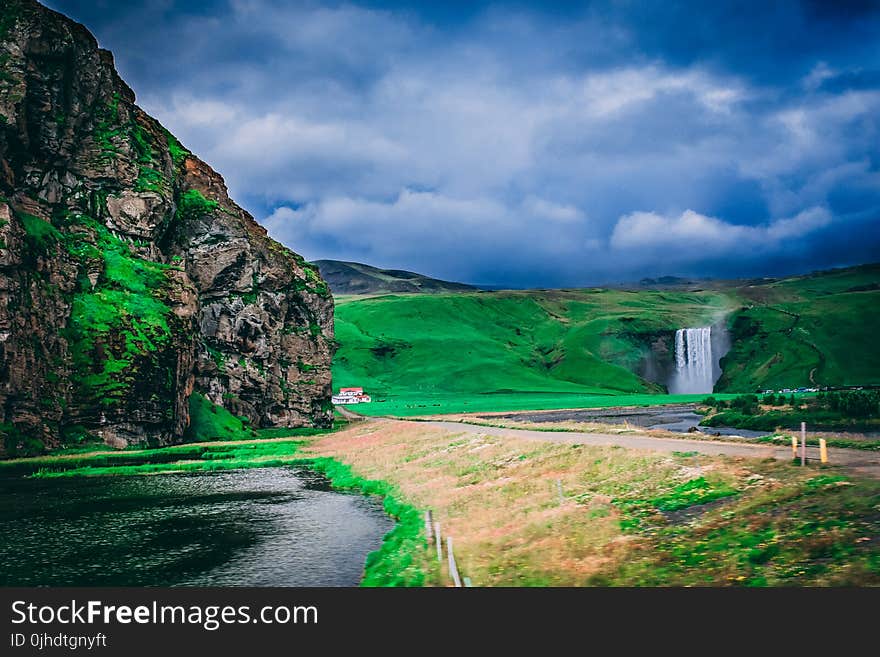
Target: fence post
823,450
429,525
439,541
803,443
794,447
453,569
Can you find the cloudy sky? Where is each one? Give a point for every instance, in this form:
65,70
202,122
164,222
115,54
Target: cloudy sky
520,145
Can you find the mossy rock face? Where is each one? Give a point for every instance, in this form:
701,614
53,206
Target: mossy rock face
130,336
132,278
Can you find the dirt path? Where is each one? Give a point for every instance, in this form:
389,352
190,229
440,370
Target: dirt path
861,461
350,415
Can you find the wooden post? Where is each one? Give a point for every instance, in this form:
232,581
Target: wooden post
439,541
794,447
803,443
559,489
453,569
429,526
823,450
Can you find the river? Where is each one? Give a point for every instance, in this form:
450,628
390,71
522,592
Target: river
278,526
680,418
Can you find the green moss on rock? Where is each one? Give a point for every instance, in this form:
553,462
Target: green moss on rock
40,235
178,152
19,443
193,205
208,421
117,325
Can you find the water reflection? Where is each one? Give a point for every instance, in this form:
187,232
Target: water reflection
257,527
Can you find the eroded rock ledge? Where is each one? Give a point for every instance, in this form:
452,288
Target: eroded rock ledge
129,280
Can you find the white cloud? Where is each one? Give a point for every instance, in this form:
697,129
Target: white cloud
691,235
798,226
199,113
609,93
346,32
274,139
819,73
450,233
559,212
388,228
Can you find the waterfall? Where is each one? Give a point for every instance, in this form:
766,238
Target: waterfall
695,367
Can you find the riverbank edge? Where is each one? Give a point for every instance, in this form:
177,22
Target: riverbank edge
401,560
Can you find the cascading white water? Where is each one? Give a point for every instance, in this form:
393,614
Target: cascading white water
694,362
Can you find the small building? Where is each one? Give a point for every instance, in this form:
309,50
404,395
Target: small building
351,396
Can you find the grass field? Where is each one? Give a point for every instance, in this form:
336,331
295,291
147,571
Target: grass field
625,517
408,404
537,349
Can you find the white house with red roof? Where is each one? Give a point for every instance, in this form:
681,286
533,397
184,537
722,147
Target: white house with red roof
351,396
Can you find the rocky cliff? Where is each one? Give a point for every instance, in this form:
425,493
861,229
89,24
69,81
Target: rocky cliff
131,285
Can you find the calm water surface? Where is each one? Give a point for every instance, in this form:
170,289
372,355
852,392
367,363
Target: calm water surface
680,418
257,527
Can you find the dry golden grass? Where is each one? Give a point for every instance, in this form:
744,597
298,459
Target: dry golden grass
498,496
569,425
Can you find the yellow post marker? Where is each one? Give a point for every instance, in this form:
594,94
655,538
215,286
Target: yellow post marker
823,450
794,447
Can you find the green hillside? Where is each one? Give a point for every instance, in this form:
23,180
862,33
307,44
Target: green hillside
554,348
583,342
817,330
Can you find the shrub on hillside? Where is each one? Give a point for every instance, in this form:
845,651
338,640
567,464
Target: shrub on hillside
745,404
855,403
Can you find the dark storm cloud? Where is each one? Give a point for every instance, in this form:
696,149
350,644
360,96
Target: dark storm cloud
517,144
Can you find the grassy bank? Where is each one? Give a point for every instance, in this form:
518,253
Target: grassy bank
402,559
211,433
625,517
849,410
410,404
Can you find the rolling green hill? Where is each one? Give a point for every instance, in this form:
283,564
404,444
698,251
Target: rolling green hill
545,348
816,330
479,344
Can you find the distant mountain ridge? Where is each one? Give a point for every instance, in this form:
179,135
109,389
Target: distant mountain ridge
357,278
